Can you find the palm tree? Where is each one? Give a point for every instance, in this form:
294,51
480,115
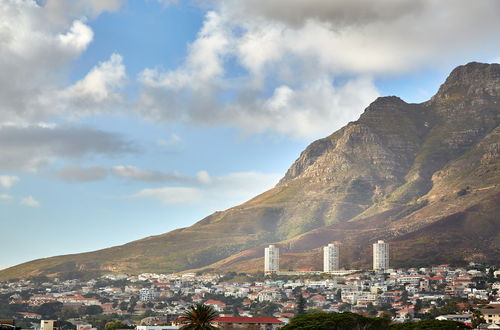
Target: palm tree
199,317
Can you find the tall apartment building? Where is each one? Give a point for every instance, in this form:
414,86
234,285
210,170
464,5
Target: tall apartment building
380,255
271,259
331,257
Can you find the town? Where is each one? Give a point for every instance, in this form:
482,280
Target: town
267,300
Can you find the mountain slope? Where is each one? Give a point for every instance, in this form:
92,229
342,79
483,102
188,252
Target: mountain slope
422,176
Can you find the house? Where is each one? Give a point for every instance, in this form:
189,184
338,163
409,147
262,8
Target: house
491,315
27,315
464,318
218,305
242,322
156,327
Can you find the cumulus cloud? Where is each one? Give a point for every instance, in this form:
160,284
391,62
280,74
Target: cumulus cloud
38,40
30,201
286,52
30,147
98,88
8,181
218,192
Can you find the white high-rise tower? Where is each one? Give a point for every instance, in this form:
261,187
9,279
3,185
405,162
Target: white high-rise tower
380,255
331,257
271,259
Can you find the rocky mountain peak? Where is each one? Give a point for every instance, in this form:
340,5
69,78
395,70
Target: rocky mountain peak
383,101
473,80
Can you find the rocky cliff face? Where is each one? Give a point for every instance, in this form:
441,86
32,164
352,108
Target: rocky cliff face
423,176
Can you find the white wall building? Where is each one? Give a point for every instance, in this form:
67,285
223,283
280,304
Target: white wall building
380,255
147,294
331,258
48,324
271,259
156,327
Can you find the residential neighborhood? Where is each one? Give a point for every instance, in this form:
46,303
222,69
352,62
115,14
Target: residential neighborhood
469,295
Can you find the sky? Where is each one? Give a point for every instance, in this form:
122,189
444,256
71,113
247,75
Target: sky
121,119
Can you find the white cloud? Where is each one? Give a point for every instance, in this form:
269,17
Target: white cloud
5,197
77,38
29,201
171,195
216,192
135,173
38,41
203,177
97,89
8,181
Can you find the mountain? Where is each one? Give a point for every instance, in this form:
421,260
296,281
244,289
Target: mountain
424,177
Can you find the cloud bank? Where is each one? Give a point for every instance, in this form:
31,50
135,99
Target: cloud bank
305,68
30,147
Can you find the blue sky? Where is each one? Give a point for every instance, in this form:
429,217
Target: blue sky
124,119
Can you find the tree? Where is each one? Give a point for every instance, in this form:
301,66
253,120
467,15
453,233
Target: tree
418,306
327,321
477,318
148,313
93,310
338,295
133,303
49,310
199,317
123,306
371,310
113,325
429,325
301,305
404,297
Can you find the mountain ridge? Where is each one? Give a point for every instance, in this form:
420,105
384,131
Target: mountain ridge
397,170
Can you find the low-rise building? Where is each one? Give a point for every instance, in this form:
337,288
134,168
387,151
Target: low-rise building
242,322
491,315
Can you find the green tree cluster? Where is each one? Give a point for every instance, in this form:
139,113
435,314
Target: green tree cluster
113,325
352,321
429,325
336,321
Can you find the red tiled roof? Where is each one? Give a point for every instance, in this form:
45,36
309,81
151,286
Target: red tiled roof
246,319
215,302
436,278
